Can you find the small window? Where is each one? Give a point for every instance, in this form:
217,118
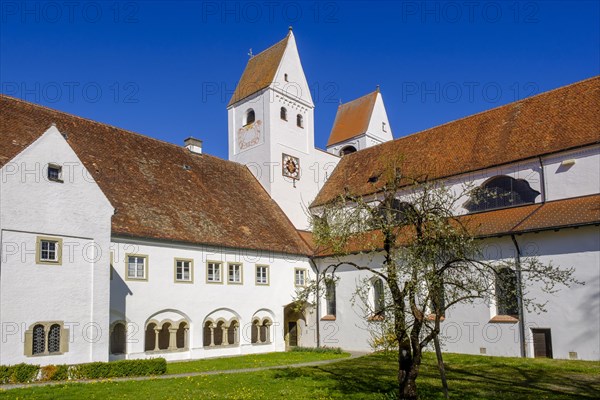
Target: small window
39,340
137,266
299,121
183,270
347,150
250,117
46,339
378,297
383,127
54,339
300,277
262,274
213,272
283,113
54,173
330,296
49,250
285,77
234,273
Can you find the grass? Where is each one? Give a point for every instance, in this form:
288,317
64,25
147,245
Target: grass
250,361
370,377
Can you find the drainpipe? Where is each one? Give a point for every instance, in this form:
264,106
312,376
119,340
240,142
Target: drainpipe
542,180
520,297
312,262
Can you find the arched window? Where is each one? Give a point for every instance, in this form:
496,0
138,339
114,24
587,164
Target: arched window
500,192
39,339
255,331
250,117
299,121
117,339
150,339
181,335
506,292
330,296
347,150
285,77
54,339
395,212
378,297
208,334
218,333
283,113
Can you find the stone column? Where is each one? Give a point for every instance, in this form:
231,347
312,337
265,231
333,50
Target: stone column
156,333
185,337
268,333
235,334
172,339
212,335
225,334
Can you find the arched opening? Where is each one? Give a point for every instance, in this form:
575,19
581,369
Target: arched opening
378,297
232,332
250,117
181,336
118,338
255,331
150,339
501,192
164,336
265,331
218,333
299,121
283,113
208,334
39,339
347,150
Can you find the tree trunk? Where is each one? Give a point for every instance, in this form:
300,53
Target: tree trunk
408,391
438,353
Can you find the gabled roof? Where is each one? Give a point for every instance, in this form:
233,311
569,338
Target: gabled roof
352,118
260,71
550,122
566,213
215,202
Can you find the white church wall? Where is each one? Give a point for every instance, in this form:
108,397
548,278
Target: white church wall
74,291
140,301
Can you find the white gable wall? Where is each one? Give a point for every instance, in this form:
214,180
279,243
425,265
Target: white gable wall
75,292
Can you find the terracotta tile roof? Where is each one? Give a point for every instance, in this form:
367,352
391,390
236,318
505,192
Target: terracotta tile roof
557,120
216,202
578,211
352,118
260,71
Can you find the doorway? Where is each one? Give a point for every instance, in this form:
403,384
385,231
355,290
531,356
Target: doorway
292,333
542,343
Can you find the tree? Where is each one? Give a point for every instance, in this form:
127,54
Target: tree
431,262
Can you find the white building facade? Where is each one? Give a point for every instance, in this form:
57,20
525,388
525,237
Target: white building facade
118,246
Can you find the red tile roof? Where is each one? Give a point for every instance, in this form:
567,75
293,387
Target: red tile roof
352,118
260,71
557,120
579,211
216,202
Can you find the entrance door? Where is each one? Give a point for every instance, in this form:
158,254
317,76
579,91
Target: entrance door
542,343
293,333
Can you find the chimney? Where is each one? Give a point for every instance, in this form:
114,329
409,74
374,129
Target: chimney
193,145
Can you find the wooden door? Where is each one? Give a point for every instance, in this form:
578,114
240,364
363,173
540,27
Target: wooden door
542,343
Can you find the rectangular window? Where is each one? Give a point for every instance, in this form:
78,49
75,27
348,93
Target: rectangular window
330,295
49,250
234,274
137,266
183,270
54,173
262,274
213,272
300,277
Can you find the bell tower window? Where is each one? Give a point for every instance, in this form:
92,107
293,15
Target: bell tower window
250,117
283,113
299,121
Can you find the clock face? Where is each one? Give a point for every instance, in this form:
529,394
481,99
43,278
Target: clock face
291,167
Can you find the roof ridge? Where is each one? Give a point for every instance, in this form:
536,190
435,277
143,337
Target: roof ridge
497,107
270,47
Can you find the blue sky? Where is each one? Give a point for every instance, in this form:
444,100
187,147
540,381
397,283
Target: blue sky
167,69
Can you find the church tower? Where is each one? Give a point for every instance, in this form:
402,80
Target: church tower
359,124
271,129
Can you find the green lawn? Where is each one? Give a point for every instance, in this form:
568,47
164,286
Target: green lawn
371,377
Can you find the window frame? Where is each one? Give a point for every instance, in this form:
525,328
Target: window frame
330,301
146,269
58,250
300,121
63,340
58,167
247,115
220,264
304,274
241,267
267,275
283,114
191,272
